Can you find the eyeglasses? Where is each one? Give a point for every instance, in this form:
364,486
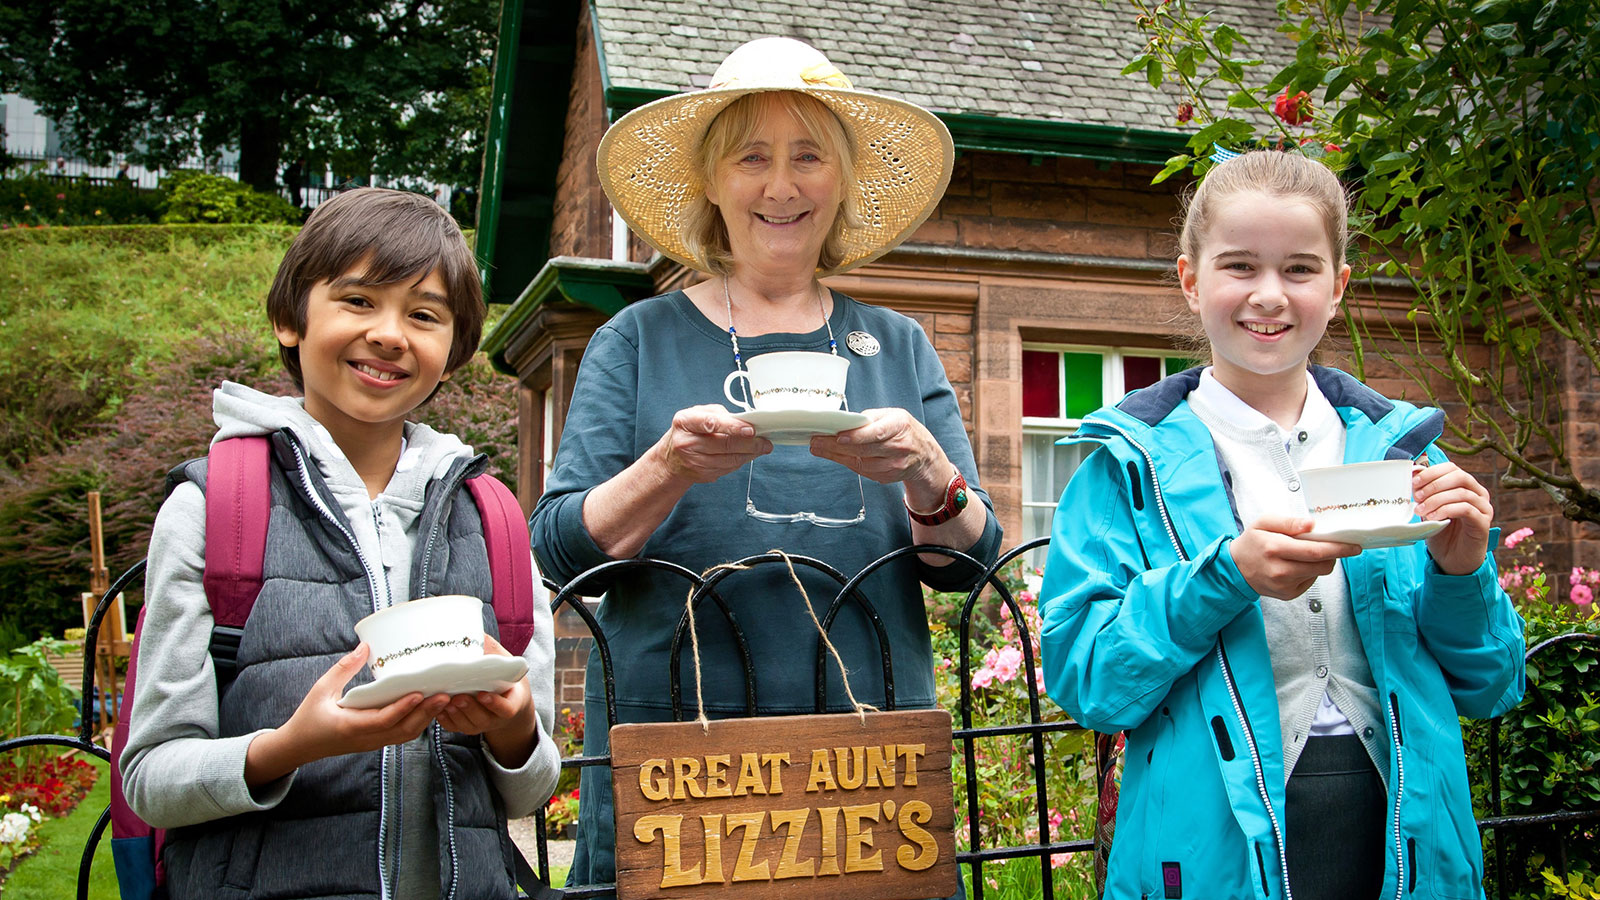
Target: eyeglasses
811,518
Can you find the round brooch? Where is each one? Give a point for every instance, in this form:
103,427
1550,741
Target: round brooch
862,344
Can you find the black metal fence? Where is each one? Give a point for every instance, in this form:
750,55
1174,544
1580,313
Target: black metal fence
967,736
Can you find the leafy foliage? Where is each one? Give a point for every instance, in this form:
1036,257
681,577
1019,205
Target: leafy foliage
1550,742
33,700
35,200
365,86
1469,127
1007,811
206,199
85,312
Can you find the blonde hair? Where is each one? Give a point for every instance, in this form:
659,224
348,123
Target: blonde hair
705,235
1288,175
1276,174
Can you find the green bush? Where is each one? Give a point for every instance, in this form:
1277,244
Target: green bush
37,200
1550,742
217,200
34,699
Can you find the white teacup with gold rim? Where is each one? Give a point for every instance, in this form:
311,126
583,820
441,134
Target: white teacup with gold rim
1359,496
431,645
790,380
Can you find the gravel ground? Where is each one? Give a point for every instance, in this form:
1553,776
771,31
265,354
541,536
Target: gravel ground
524,833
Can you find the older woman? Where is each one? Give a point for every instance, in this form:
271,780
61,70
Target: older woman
777,174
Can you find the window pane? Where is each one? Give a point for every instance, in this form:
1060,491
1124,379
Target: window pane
1084,394
1041,384
1140,371
1046,469
1176,364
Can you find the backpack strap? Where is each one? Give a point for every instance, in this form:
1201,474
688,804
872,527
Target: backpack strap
505,533
238,506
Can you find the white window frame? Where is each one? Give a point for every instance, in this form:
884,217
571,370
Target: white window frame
1111,391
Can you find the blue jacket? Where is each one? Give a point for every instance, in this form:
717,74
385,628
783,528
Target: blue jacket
1150,628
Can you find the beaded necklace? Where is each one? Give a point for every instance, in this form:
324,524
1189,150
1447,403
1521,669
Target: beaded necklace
733,333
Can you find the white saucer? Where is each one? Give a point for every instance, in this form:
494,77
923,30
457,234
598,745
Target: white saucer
487,673
796,426
1378,538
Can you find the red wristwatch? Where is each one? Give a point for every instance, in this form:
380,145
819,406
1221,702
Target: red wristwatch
955,500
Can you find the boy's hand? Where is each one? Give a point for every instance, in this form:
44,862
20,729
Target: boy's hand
506,720
1445,492
1275,563
321,728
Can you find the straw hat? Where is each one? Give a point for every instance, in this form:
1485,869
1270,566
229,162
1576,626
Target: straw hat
903,152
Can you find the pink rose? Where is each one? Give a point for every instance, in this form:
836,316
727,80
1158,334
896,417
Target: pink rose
1004,661
1582,595
982,678
1517,537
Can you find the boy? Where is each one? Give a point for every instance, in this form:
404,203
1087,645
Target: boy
272,788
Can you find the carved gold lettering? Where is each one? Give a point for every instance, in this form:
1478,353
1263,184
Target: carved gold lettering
856,841
712,827
821,773
880,766
745,868
771,760
910,753
850,779
686,771
789,863
914,814
654,788
717,776
829,816
749,776
673,874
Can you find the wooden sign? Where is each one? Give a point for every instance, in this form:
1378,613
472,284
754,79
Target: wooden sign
786,807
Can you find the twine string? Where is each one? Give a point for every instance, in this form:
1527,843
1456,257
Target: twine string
694,642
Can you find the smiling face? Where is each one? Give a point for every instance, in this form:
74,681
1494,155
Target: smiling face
370,354
778,193
1264,282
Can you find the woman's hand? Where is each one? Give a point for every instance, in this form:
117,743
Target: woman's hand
321,728
1277,564
702,444
707,442
1443,492
506,720
892,447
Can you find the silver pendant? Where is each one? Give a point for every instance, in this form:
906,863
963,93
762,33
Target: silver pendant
862,344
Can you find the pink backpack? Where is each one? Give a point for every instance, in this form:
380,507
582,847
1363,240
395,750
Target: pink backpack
238,503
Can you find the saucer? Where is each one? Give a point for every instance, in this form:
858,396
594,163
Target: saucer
487,673
796,426
1378,538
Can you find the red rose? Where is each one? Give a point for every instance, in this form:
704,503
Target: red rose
1294,110
1185,112
1331,148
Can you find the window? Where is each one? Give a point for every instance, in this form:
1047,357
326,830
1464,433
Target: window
1061,385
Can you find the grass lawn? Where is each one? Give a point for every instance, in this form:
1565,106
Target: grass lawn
52,872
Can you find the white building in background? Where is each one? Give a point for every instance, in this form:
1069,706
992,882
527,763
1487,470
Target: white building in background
34,139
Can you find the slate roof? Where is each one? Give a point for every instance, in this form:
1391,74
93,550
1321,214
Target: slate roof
1042,60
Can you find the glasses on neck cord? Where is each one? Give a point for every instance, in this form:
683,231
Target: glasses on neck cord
809,518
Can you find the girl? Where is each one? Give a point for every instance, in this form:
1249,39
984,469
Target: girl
1291,705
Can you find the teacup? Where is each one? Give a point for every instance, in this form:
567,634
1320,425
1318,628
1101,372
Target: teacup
1360,495
415,636
790,380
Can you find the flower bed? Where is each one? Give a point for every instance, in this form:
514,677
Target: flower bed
29,794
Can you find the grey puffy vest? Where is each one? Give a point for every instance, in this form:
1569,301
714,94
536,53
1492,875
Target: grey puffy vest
324,839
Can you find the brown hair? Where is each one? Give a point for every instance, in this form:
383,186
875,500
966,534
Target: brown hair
704,233
394,236
1277,174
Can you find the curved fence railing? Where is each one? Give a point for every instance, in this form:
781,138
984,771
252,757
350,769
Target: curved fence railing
990,597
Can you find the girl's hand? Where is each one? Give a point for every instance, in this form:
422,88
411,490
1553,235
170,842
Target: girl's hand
706,442
321,728
506,720
1275,563
892,447
1444,492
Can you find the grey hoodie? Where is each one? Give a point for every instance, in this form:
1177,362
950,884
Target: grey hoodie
176,770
